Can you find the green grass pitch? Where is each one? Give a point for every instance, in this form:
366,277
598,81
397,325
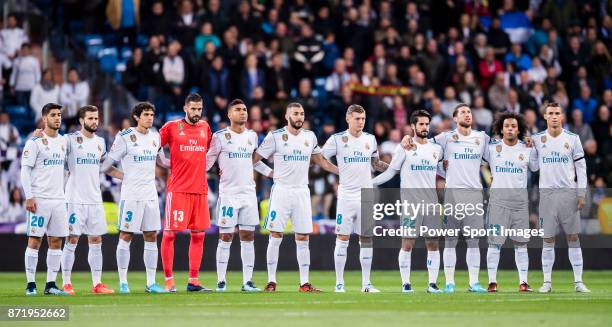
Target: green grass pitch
289,308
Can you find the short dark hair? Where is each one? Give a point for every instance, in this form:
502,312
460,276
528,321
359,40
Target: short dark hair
235,102
46,109
294,105
498,125
193,97
85,109
414,117
459,106
550,104
139,108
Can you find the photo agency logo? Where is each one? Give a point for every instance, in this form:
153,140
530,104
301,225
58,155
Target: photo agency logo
494,216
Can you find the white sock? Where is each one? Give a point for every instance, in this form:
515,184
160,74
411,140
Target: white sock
272,257
521,259
548,260
67,262
492,263
433,265
123,259
404,259
365,258
223,253
303,258
247,254
340,252
94,257
575,257
472,258
450,260
150,260
54,259
31,261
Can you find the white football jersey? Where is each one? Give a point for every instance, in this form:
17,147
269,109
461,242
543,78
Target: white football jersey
556,157
291,155
46,155
354,156
417,167
510,167
234,152
464,155
138,155
84,156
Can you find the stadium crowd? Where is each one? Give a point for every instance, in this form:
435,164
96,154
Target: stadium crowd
390,56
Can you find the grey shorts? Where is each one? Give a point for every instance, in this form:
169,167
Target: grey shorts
558,209
512,219
463,198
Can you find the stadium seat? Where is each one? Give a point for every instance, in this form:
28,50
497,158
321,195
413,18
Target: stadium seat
108,59
93,44
17,111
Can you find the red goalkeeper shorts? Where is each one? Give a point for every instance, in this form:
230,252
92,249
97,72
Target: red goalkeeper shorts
186,211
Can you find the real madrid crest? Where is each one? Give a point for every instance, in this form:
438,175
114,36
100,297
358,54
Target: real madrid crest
306,144
285,137
566,145
367,146
62,147
133,138
435,156
249,142
126,225
477,142
543,139
79,140
154,144
456,137
345,139
99,148
45,141
498,148
521,157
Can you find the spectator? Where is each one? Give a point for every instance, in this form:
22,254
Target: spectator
498,39
578,126
25,76
450,101
215,15
432,63
537,72
252,77
173,71
488,68
44,92
482,116
158,21
279,79
206,36
512,103
531,120
339,77
309,53
186,23
498,94
5,64
594,164
9,141
73,95
218,87
152,62
601,128
15,213
586,103
13,37
305,97
132,77
516,56
574,57
388,147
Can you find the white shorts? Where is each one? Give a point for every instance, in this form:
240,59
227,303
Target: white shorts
88,219
49,218
241,210
348,217
289,203
139,215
